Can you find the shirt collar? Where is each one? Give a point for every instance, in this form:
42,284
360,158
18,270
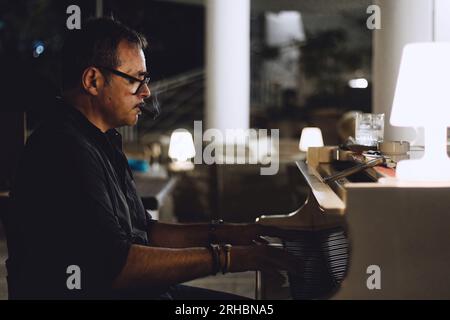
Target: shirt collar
87,127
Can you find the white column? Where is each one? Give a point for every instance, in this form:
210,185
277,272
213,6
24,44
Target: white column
99,8
402,22
227,64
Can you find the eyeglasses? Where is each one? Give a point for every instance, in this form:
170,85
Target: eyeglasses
151,107
138,83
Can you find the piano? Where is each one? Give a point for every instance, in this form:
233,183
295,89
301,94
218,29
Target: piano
363,235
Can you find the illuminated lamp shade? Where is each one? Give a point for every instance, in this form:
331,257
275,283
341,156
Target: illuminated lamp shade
181,149
422,99
311,137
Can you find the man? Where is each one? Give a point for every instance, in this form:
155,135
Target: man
77,227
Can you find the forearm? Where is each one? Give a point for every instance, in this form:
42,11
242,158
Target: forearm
178,235
149,267
197,234
158,268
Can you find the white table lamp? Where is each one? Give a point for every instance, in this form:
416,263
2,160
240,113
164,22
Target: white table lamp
422,99
311,137
181,149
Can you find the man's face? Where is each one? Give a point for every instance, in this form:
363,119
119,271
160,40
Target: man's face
119,103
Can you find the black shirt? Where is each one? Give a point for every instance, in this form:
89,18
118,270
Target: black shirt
74,203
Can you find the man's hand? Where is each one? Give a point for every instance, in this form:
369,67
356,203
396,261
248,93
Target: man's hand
249,233
264,258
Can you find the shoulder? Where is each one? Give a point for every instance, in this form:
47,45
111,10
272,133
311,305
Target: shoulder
59,141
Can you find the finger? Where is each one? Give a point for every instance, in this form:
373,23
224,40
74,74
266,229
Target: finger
256,242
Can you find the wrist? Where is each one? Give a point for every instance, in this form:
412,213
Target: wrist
213,227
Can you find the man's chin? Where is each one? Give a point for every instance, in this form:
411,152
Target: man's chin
127,123
132,121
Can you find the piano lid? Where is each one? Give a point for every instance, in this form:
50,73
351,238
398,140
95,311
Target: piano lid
325,196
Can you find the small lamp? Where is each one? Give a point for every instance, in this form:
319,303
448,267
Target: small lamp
422,98
311,137
181,149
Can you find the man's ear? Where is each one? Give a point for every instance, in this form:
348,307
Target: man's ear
92,80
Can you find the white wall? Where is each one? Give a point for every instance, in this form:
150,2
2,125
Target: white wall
402,22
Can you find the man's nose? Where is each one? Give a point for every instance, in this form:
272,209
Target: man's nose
145,91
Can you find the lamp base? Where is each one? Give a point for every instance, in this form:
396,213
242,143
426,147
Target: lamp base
178,166
423,170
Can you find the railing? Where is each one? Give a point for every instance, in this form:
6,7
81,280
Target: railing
164,86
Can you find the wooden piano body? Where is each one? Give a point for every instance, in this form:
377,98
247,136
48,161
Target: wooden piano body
402,230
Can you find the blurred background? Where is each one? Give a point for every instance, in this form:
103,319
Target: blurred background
231,64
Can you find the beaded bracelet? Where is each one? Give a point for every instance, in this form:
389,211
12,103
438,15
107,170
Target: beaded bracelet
226,267
215,252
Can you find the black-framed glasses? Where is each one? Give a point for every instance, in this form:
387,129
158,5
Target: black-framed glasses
130,78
